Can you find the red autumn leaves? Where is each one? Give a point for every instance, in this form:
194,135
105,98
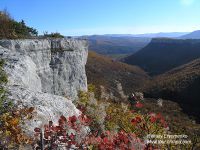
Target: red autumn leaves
111,141
139,105
102,140
57,134
136,101
157,118
142,121
54,135
136,120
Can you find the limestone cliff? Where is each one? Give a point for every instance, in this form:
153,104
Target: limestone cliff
45,74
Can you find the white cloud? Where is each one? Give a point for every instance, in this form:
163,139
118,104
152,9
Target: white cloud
187,2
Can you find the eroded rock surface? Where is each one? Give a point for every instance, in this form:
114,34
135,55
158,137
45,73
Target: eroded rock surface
45,74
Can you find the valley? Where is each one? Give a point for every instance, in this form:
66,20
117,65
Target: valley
181,84
169,70
115,46
102,70
177,89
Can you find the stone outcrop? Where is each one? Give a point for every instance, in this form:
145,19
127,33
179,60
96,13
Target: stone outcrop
45,74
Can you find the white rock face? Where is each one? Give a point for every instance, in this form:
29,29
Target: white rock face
54,66
45,74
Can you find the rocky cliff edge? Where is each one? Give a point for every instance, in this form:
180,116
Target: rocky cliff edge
45,74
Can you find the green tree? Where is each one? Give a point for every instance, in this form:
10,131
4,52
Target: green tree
11,29
53,35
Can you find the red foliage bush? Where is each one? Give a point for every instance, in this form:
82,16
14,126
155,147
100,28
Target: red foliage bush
66,133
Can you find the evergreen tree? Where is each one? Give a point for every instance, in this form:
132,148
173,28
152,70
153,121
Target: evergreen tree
11,29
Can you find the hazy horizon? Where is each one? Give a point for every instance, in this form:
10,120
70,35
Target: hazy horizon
132,34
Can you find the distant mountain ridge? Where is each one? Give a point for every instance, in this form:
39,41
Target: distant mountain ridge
108,45
151,35
147,35
164,54
120,45
192,35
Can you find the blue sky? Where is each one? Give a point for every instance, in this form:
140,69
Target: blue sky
83,17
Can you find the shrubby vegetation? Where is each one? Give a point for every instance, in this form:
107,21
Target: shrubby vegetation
3,81
11,132
53,35
11,29
111,126
11,118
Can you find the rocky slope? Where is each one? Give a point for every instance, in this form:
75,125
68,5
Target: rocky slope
42,72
